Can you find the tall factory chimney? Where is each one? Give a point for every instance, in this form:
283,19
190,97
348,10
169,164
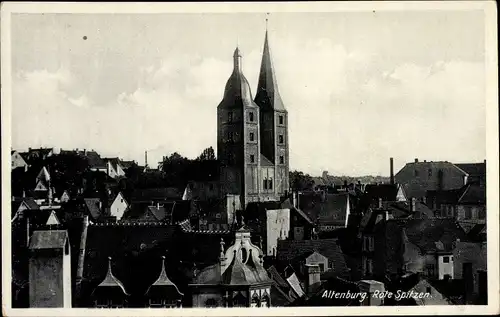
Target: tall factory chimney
392,170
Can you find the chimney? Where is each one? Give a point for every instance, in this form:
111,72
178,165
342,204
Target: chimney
100,205
440,180
468,277
416,160
413,206
145,158
380,203
313,278
391,161
158,205
482,284
369,287
81,255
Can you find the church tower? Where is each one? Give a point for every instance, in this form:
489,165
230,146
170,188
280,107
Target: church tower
238,139
273,122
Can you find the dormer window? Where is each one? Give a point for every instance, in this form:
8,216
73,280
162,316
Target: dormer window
281,119
252,136
281,139
250,116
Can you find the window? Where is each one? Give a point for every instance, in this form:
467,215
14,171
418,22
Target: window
155,302
250,116
430,172
428,289
270,183
229,117
446,259
281,139
416,173
265,183
369,266
430,269
371,244
282,159
102,303
252,158
468,213
252,136
211,186
230,136
211,303
281,119
321,267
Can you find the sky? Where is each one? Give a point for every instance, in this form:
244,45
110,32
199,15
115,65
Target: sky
359,87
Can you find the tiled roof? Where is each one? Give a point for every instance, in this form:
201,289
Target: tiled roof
127,164
387,192
290,249
452,290
468,194
294,283
473,169
31,203
164,283
326,208
473,194
160,212
264,161
425,233
92,205
48,239
417,187
185,225
154,194
287,204
277,277
94,159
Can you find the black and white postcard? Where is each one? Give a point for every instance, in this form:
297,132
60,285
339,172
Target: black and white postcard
220,159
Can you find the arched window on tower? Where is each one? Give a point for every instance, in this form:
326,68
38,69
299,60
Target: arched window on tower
250,116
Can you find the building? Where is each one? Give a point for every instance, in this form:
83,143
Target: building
237,280
467,203
163,293
394,247
17,161
419,177
252,135
50,269
329,211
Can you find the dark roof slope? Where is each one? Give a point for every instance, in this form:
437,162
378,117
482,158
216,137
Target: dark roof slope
292,249
48,239
473,169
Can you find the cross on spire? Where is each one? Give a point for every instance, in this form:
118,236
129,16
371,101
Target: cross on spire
267,19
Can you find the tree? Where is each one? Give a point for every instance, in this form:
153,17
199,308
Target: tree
174,168
300,181
208,154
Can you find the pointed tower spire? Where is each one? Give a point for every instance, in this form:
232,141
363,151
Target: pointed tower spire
237,60
267,89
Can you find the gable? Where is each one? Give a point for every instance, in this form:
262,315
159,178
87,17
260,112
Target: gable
40,185
401,195
119,201
316,257
53,219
